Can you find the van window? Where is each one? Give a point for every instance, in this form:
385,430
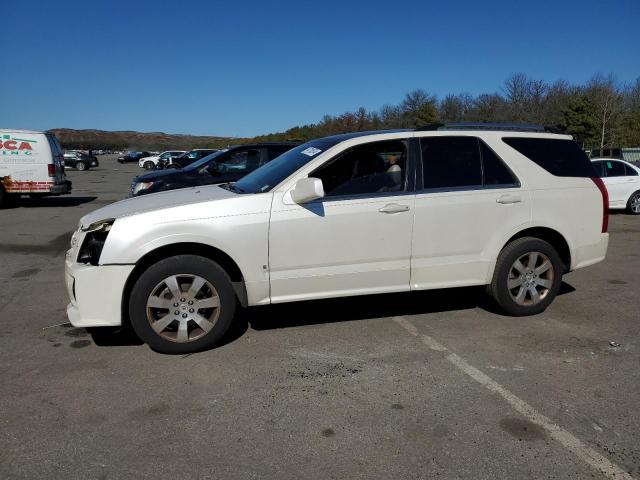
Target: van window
562,158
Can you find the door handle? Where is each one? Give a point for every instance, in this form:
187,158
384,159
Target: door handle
508,199
394,208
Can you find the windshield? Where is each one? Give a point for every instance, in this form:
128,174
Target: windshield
206,159
271,174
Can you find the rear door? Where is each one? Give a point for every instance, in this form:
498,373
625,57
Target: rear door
468,199
616,181
57,155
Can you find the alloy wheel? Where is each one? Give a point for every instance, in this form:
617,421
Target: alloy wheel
530,278
635,202
183,308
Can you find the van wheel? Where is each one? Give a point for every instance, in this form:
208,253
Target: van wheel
149,165
633,204
527,277
81,166
8,199
182,304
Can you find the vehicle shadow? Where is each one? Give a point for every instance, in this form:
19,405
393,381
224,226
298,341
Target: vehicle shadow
29,202
316,312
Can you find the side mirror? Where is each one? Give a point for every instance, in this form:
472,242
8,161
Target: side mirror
307,189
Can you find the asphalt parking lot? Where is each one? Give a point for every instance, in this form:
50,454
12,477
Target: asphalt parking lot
424,385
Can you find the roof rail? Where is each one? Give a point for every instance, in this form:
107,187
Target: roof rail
513,127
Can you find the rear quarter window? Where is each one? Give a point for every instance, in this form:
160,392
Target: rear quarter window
562,158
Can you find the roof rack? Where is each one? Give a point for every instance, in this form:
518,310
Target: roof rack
513,127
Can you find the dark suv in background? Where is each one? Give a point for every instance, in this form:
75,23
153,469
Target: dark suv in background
227,165
133,157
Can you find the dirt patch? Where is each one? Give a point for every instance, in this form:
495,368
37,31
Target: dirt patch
523,430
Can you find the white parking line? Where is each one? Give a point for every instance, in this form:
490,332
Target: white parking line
567,439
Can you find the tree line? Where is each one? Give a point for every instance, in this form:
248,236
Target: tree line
600,113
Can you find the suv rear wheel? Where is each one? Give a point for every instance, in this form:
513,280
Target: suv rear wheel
182,304
633,204
81,166
527,277
149,165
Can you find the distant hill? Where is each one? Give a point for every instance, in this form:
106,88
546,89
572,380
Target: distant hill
130,140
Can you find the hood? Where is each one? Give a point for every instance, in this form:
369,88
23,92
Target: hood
159,175
156,201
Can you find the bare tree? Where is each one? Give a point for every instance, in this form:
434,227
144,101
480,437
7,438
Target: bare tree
605,96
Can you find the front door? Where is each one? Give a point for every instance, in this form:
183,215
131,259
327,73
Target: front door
357,239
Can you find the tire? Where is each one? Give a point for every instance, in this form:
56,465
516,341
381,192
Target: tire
81,166
545,279
8,200
149,166
151,301
633,204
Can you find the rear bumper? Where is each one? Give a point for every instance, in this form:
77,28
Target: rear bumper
586,255
61,188
95,293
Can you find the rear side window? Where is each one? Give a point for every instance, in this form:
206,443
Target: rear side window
630,172
614,169
450,162
462,162
495,172
562,158
599,168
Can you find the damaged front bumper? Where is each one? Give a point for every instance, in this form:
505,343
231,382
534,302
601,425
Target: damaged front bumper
95,292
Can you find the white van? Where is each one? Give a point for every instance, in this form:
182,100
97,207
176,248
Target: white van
30,163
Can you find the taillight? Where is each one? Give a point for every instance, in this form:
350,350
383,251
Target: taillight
52,169
605,203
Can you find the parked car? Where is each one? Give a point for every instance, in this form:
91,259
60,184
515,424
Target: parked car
622,180
150,163
513,208
226,165
30,163
133,156
79,161
186,158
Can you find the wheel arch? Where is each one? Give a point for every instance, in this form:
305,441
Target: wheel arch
549,235
185,248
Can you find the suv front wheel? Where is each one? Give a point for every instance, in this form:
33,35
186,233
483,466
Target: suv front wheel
527,277
182,304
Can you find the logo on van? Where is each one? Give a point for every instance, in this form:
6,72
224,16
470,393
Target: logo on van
15,146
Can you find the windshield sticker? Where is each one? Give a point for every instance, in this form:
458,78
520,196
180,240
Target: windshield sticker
311,151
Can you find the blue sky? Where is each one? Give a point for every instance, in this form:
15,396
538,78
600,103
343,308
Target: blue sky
245,68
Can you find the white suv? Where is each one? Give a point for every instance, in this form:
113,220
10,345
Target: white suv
513,208
149,163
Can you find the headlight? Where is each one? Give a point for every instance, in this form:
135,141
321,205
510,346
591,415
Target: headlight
93,243
141,186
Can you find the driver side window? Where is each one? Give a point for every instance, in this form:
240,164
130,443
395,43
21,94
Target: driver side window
372,168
